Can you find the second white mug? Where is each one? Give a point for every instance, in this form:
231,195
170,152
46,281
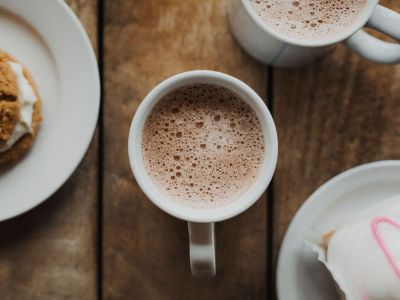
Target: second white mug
274,48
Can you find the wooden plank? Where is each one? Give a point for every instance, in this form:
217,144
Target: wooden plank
49,252
340,112
145,250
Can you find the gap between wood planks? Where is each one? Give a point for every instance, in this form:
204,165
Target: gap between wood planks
270,285
99,244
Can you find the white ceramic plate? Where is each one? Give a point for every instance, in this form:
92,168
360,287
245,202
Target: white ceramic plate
300,276
49,40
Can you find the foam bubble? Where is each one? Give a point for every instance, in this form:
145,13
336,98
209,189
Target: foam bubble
212,149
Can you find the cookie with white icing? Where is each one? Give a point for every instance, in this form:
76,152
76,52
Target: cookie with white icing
20,107
363,255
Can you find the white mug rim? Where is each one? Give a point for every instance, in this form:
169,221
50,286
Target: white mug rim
360,23
172,207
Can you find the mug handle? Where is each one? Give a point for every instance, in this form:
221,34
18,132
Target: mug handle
386,21
202,249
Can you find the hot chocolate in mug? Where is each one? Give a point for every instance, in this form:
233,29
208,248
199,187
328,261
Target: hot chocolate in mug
274,47
201,219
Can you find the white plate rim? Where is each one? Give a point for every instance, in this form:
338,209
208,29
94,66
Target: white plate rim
312,201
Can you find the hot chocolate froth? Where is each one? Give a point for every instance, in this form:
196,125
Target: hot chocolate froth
203,146
310,19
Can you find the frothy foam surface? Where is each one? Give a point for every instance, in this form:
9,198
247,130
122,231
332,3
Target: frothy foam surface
310,19
203,146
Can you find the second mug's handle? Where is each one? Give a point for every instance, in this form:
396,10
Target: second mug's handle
386,21
202,249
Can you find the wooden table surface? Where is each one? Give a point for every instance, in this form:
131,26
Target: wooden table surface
99,237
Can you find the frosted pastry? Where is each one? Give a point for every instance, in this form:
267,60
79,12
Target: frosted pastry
363,255
19,109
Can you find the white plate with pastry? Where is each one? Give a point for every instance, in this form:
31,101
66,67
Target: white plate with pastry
49,100
353,223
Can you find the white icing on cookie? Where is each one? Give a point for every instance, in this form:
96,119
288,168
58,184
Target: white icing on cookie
363,255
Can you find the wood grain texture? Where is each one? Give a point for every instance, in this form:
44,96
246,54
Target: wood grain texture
50,252
340,112
145,250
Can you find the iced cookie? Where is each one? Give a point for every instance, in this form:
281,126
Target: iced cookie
20,107
363,254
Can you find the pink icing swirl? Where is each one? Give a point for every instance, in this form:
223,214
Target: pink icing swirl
378,237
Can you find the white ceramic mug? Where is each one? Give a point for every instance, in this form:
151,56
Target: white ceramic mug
201,221
274,48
